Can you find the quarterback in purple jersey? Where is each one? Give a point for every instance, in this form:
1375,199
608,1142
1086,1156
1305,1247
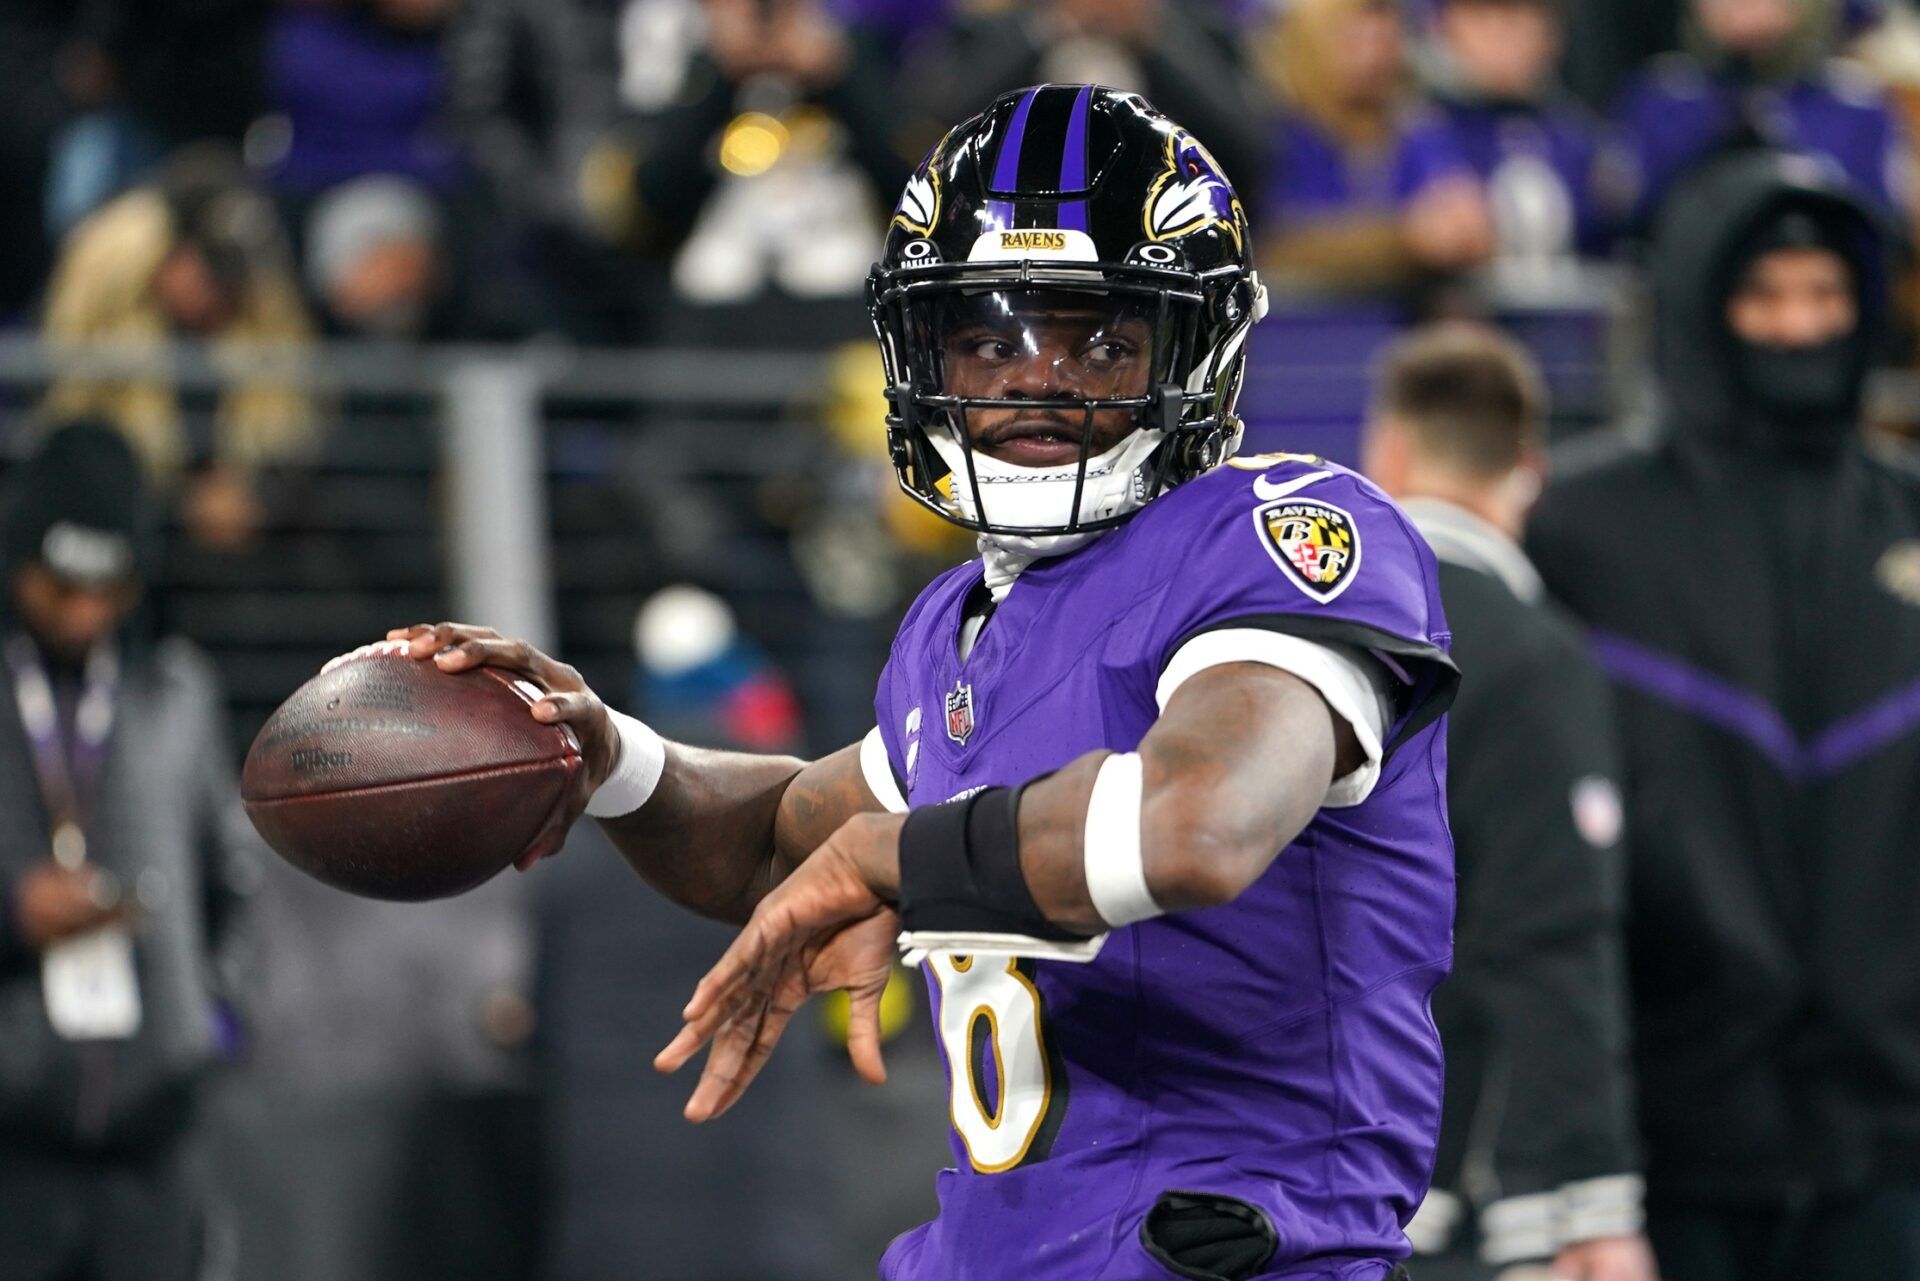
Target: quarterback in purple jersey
1156,790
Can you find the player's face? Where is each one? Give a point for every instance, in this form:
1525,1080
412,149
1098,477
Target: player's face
1010,351
1794,298
69,620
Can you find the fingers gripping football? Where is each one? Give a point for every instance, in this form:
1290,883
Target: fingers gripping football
566,698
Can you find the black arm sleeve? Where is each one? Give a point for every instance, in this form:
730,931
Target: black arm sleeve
1534,1016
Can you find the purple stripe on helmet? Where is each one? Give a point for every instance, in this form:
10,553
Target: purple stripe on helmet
1073,162
1006,169
1746,715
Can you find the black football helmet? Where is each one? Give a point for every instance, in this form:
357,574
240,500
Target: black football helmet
1075,257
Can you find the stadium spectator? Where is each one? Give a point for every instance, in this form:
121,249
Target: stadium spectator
762,160
1537,151
196,254
374,258
1182,55
32,38
406,89
359,89
532,87
1748,576
747,1203
1756,72
123,864
1536,1154
146,77
382,1123
1365,189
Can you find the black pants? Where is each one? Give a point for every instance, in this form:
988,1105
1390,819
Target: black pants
83,1218
1876,1234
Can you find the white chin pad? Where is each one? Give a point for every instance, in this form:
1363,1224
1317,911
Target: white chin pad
1042,497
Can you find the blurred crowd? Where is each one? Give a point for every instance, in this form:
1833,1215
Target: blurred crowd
453,1091
253,174
254,171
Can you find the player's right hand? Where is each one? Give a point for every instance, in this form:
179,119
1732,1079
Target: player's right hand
566,698
52,903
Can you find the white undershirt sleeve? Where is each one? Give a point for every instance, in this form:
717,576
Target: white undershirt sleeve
1356,685
878,771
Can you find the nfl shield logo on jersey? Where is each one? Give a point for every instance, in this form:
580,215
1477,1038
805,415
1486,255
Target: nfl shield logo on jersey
960,713
1315,544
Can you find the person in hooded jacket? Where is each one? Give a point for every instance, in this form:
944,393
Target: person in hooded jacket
1741,576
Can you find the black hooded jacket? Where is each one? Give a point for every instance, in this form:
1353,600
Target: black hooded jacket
1755,599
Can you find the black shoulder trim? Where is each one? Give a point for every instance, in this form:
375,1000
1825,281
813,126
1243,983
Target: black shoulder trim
1420,706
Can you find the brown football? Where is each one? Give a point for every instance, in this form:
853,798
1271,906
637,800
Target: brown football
388,777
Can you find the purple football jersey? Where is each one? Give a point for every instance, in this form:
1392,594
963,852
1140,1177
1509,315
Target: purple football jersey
1277,1049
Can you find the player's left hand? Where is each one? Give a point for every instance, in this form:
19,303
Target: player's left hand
823,929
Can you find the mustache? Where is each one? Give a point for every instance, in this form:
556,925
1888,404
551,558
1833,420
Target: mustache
1049,422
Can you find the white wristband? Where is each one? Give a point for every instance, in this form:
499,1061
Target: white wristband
1116,875
636,769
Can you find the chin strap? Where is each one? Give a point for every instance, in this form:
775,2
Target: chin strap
1003,565
1006,556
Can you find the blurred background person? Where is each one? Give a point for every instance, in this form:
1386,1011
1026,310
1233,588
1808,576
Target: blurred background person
834,1169
1182,55
144,78
1364,188
759,167
358,89
196,255
532,87
1536,1161
382,1124
1538,152
33,36
1748,576
1760,72
124,863
375,262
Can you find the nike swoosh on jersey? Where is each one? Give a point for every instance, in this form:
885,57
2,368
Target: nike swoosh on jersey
1266,491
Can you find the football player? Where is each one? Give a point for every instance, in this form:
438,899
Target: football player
1156,793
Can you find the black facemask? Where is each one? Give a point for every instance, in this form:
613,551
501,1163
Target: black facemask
1806,399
